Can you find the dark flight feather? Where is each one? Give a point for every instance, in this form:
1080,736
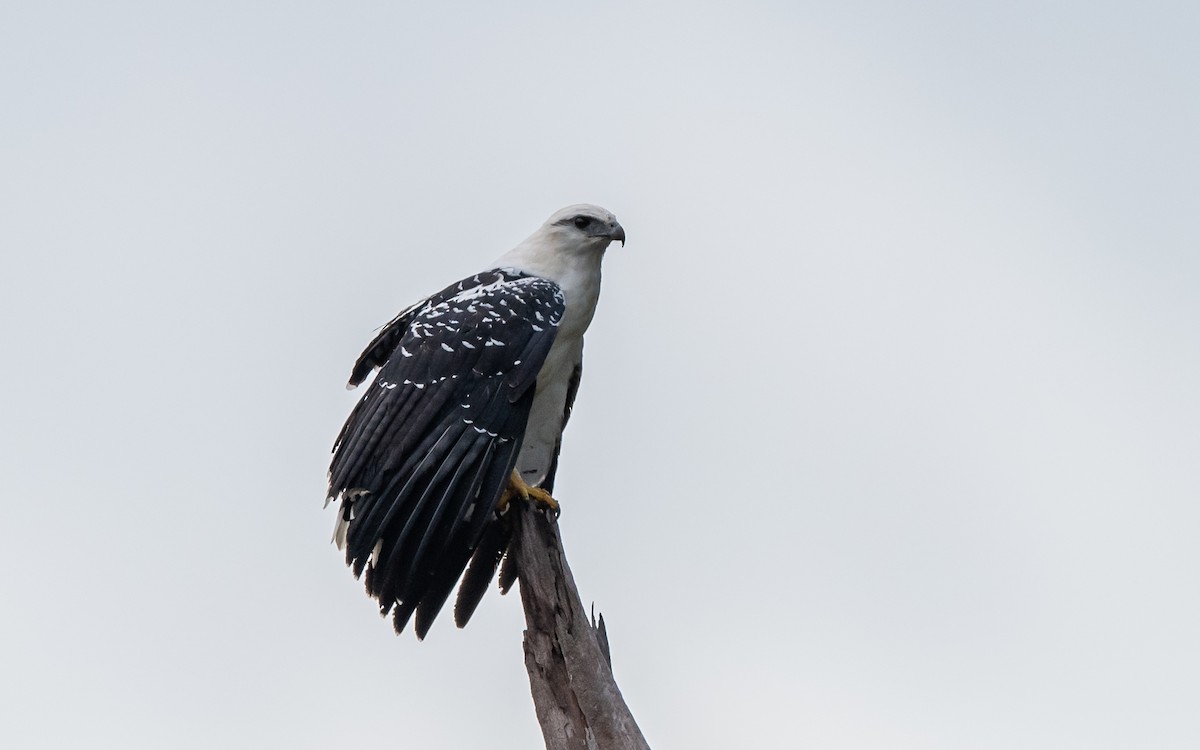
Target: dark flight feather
423,459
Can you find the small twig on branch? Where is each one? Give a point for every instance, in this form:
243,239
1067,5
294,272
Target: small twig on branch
570,670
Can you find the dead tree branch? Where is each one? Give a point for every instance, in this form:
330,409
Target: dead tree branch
570,673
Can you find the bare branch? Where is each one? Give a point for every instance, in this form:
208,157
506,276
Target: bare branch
570,675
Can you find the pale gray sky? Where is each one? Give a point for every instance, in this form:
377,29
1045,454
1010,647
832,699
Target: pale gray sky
889,433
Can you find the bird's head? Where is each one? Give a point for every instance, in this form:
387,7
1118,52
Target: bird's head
583,227
570,245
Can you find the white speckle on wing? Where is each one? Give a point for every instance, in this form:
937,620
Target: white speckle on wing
473,293
447,347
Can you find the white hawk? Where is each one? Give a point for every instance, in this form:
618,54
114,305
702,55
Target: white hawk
474,386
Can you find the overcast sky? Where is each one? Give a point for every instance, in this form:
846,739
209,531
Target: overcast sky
889,435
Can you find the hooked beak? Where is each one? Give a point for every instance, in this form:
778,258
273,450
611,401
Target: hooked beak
617,232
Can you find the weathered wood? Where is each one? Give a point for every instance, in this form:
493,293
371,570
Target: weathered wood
576,698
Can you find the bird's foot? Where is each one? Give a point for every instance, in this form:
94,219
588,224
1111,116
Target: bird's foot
518,488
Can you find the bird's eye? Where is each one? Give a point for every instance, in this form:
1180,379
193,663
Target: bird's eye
582,221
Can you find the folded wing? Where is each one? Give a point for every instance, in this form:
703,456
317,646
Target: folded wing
423,459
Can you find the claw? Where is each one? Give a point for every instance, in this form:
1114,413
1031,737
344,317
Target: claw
518,488
541,497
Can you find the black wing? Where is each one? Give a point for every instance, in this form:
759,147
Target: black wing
493,547
424,457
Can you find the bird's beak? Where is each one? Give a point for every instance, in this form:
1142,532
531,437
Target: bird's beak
617,232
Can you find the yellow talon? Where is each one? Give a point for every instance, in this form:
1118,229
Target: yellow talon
518,488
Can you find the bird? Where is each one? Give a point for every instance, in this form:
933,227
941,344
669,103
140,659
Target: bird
472,389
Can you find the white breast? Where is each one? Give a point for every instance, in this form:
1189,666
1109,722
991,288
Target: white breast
577,273
549,404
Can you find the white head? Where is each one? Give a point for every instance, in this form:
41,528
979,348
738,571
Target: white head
572,241
584,226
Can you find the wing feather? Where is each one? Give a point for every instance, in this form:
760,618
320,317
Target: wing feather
484,562
382,346
421,463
